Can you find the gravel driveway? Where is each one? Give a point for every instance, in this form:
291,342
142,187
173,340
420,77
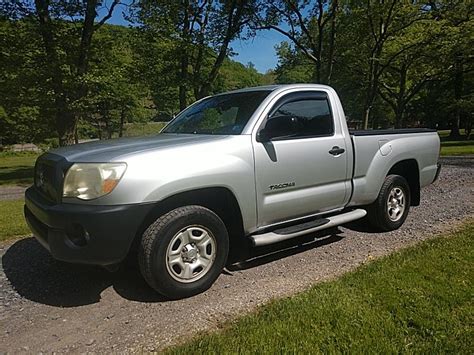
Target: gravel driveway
49,306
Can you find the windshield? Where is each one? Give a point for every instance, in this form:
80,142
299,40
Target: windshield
221,114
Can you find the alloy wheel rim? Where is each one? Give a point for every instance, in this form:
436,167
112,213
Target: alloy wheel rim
396,204
191,254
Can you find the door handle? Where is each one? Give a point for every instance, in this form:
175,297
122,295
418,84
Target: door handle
336,150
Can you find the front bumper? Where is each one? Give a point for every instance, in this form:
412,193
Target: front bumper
87,234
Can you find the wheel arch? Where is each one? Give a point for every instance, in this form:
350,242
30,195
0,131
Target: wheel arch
220,200
409,169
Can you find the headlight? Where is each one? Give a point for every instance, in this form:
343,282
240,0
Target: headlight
87,181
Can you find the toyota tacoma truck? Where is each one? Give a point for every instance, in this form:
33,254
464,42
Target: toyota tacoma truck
261,164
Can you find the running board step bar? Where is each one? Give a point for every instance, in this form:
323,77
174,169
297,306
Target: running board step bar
282,234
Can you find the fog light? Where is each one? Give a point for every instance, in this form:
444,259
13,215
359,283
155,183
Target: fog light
77,235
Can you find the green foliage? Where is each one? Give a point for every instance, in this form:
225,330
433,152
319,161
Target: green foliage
293,67
408,63
234,75
132,76
397,63
24,114
417,301
193,39
115,96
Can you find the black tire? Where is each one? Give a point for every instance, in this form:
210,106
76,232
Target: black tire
155,243
378,213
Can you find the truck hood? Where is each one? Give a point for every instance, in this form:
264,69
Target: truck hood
113,149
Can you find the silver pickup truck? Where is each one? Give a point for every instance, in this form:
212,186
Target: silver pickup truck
262,164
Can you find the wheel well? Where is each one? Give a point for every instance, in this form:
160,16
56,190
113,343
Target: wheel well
220,200
410,171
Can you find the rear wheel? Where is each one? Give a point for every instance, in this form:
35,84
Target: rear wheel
391,208
184,251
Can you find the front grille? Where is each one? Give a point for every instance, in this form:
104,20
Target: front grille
49,176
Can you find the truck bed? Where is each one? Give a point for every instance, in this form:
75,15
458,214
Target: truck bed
377,151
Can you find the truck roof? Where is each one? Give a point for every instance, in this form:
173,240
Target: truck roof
281,86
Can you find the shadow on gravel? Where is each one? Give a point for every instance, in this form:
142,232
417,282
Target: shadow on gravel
264,255
362,226
36,276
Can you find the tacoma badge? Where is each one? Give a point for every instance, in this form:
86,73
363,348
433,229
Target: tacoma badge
281,186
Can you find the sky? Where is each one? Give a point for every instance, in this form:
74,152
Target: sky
259,50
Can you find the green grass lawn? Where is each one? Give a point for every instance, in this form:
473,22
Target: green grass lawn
462,147
457,147
12,222
419,300
17,168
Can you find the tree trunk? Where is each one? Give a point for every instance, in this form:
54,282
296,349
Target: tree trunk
108,127
66,119
373,81
233,26
76,136
366,117
400,110
202,45
99,128
317,73
206,86
86,38
184,58
66,126
183,81
398,118
122,121
369,100
458,89
332,41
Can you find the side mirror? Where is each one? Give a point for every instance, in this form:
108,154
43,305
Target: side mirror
277,127
263,136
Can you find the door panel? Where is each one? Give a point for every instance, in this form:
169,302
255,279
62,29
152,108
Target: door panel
299,177
300,159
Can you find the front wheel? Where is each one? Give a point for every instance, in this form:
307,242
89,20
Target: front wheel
184,251
391,208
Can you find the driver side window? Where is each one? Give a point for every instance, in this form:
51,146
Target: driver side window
302,117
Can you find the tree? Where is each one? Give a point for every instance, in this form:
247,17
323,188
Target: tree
414,62
25,114
234,75
66,29
116,94
202,32
455,19
293,66
305,24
